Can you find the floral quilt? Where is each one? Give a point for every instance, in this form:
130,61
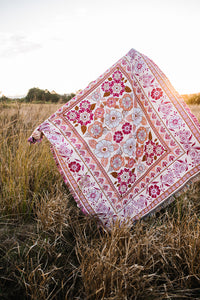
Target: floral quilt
126,143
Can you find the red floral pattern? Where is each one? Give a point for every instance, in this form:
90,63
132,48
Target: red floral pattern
84,116
74,166
125,176
118,136
126,128
116,88
156,93
154,191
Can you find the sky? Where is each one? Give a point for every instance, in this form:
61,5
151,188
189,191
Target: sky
63,45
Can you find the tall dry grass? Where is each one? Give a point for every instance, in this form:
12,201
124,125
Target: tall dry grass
50,250
27,173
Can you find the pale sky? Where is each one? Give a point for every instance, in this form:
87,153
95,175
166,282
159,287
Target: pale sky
63,45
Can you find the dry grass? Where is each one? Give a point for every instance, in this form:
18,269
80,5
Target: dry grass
50,250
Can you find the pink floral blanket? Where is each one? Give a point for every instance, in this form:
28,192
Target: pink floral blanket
126,143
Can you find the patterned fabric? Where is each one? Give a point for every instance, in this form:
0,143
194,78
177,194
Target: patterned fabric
126,143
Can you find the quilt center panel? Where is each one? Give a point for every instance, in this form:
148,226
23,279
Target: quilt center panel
122,142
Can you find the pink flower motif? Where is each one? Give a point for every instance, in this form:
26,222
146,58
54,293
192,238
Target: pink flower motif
99,112
154,191
141,134
149,160
139,66
168,179
149,148
64,150
111,102
159,150
175,122
72,115
126,176
123,188
117,76
139,151
94,195
102,209
85,104
193,154
142,202
117,162
74,167
126,102
84,181
185,136
187,147
156,93
85,116
96,130
106,87
132,53
126,128
118,136
179,167
131,162
165,108
196,160
117,88
147,80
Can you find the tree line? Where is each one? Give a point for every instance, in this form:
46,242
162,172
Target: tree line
36,95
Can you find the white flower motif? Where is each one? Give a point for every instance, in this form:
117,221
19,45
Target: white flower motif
103,149
139,66
165,108
193,154
196,160
64,150
113,118
96,96
102,208
140,168
137,116
132,53
185,136
130,146
179,167
84,181
168,178
175,122
147,80
94,195
141,202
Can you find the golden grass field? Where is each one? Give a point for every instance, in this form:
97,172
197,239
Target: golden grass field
50,250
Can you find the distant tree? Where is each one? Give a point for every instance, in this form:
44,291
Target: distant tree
54,98
4,99
66,97
35,94
38,95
